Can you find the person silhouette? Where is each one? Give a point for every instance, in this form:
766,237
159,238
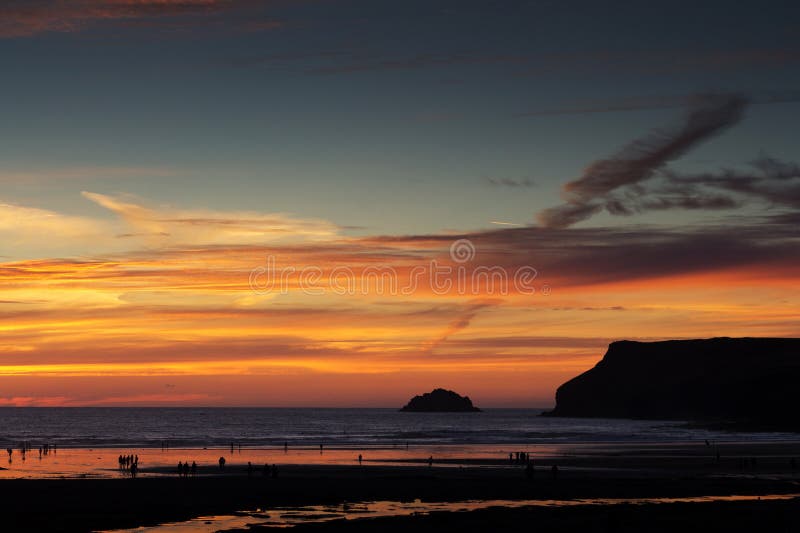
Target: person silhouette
180,469
222,463
194,468
359,458
249,469
430,461
265,472
134,470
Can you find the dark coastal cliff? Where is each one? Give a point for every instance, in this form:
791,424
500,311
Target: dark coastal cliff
440,400
753,381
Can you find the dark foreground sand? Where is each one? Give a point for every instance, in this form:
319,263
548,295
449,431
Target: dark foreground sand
94,504
717,517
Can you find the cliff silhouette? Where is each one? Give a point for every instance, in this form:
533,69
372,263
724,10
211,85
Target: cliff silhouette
440,400
739,381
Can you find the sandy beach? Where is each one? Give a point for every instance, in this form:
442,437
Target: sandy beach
593,483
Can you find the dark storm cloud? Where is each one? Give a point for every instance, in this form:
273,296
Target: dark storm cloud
578,257
639,161
767,180
774,181
575,257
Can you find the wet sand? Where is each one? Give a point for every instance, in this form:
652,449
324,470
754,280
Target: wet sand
663,471
717,517
632,458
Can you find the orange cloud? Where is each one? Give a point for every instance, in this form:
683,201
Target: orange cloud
189,313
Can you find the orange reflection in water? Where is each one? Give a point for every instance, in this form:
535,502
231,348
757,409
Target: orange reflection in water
287,517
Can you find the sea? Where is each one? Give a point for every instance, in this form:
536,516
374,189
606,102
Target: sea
98,427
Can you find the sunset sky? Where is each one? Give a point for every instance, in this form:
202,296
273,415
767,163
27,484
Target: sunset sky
163,160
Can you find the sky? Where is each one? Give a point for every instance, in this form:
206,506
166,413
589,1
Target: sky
347,203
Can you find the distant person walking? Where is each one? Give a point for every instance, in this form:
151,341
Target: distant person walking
222,463
359,458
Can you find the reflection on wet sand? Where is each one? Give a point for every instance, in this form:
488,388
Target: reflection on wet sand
287,517
679,456
104,462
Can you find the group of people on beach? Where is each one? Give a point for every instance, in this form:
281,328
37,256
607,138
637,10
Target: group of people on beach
129,463
267,471
519,458
44,449
25,446
184,469
524,458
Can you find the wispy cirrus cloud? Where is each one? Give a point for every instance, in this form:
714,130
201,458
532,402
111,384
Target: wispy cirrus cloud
19,223
193,226
34,232
460,323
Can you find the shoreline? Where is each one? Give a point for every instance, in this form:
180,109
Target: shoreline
107,498
596,459
106,504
